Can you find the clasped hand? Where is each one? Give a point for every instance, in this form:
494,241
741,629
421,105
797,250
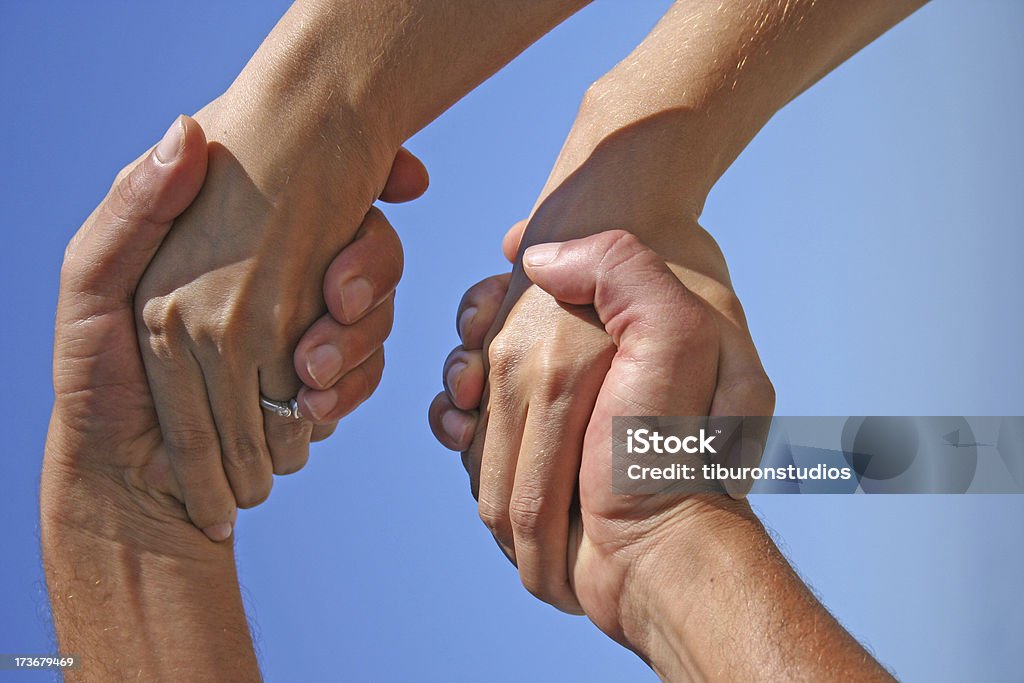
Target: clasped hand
176,414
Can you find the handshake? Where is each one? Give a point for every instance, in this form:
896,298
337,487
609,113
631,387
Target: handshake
228,302
118,526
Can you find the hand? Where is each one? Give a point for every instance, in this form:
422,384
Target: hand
340,364
544,362
223,304
102,395
666,354
692,583
117,545
105,458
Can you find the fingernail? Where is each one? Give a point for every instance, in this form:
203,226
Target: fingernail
218,532
540,255
455,425
320,403
356,297
323,364
466,322
454,375
170,145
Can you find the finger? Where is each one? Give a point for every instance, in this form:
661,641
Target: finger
287,438
472,455
408,179
452,427
666,360
479,308
649,314
743,390
502,426
322,432
546,479
464,378
329,349
239,419
108,255
190,436
366,272
347,393
512,239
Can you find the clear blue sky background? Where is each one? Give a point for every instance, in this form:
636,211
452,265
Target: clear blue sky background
874,231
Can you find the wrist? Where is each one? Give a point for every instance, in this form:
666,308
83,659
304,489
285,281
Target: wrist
135,590
111,506
691,562
676,140
278,137
318,69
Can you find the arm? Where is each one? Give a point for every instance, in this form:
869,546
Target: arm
740,612
706,79
141,603
650,140
136,590
301,146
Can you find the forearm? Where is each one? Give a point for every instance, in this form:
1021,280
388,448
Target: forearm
721,603
709,76
396,64
137,592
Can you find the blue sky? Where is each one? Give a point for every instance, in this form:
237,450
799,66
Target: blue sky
874,233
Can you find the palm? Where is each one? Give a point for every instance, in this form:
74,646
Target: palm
100,384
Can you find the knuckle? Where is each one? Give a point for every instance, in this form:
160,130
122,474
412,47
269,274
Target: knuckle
128,194
292,464
192,445
375,218
121,175
290,432
207,512
162,325
495,518
621,250
255,492
244,453
372,375
554,376
622,240
754,391
70,253
541,587
487,291
391,248
503,356
526,513
158,314
324,431
70,266
764,393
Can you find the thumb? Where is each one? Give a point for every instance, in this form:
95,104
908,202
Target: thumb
109,254
628,284
667,339
512,239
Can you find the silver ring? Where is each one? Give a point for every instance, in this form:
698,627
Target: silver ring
281,408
